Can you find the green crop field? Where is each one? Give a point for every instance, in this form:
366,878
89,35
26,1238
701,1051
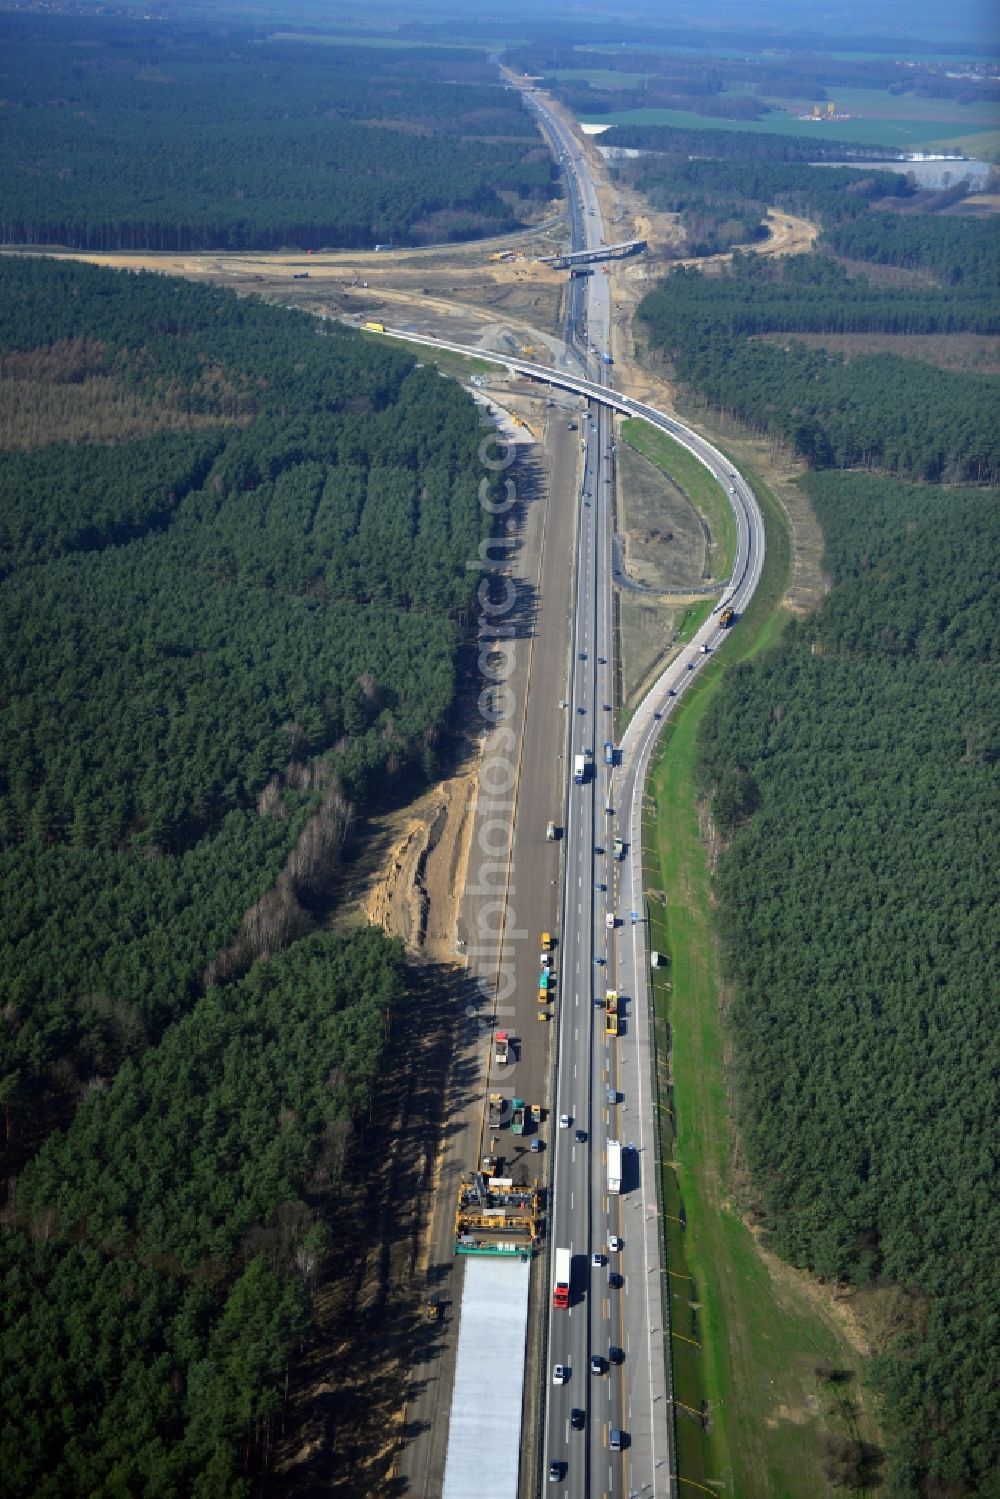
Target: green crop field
605,78
906,134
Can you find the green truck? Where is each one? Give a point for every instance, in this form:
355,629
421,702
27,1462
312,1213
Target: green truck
517,1116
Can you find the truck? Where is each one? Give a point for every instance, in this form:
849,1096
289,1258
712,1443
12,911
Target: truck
619,849
609,921
560,1279
546,942
579,769
543,984
501,1049
375,327
551,833
614,1166
496,1110
611,1001
517,1116
611,1024
609,752
727,618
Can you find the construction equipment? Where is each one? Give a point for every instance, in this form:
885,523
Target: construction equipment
536,1114
517,1116
496,1110
375,327
611,1001
432,1310
611,1024
494,1217
727,618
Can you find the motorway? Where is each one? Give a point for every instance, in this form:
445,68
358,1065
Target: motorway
618,1310
610,1308
604,1086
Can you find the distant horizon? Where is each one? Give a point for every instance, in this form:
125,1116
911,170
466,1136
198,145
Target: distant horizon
966,22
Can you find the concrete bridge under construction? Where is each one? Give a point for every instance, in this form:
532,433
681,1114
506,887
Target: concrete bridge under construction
595,256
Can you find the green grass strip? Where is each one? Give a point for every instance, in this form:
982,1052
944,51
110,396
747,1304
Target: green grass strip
459,365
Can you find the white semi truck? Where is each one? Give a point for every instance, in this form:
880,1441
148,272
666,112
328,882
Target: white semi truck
614,1166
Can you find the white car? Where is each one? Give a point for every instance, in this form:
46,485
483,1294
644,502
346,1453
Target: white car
564,1121
614,1243
560,1374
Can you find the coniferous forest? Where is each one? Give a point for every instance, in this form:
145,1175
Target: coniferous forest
123,134
222,641
853,774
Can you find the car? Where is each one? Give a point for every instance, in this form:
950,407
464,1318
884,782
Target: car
583,655
560,1374
543,1016
671,692
601,661
615,1243
581,711
657,715
597,1259
690,666
564,1121
617,1440
581,1136
597,1364
612,1096
555,1472
577,1419
616,1355
535,1146
588,754
598,848
615,1281
600,885
607,707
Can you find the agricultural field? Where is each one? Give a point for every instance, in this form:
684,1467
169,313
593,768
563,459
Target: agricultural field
915,133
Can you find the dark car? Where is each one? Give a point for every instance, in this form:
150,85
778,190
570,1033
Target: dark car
615,1281
597,1364
616,1355
556,1471
577,1419
581,1136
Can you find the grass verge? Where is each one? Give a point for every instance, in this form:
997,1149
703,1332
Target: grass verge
748,1333
460,365
704,492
